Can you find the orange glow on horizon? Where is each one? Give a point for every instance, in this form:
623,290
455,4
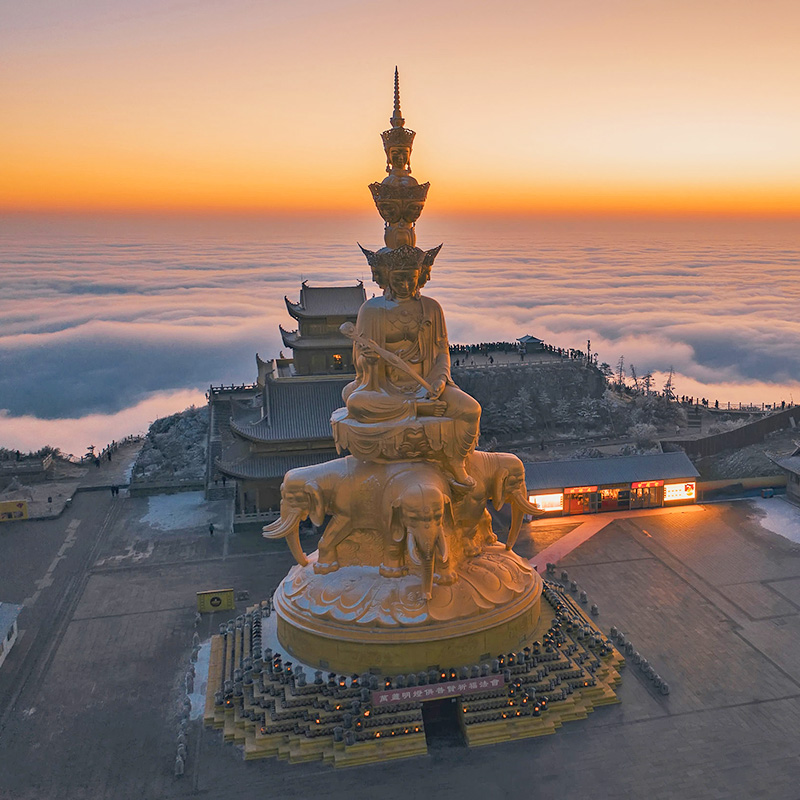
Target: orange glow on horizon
574,108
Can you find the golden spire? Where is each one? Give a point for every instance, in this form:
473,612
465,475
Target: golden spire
397,120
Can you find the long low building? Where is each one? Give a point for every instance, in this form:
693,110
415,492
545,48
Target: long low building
590,485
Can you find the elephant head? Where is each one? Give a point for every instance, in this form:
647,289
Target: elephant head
300,500
422,517
508,486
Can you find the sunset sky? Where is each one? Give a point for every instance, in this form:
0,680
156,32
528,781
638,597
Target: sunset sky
569,106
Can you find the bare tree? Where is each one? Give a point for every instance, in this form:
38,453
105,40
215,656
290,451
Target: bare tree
634,378
669,387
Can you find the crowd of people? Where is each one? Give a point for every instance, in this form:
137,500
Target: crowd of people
464,354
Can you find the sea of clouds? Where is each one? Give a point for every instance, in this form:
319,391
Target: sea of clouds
107,323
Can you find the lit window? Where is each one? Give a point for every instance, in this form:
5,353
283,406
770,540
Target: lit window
679,491
548,502
337,362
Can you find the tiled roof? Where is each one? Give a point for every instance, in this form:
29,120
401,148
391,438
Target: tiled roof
791,464
8,613
294,340
262,467
296,409
540,475
323,301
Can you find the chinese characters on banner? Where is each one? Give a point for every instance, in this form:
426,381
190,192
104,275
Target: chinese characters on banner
436,691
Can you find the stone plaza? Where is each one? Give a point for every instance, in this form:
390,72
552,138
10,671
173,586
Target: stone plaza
92,693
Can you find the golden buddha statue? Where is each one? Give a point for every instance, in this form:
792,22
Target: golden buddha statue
411,327
408,571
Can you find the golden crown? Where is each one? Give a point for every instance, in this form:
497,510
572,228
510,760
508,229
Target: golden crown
397,135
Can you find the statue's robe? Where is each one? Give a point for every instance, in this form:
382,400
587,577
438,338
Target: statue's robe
382,393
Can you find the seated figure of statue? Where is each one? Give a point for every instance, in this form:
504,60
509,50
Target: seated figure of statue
411,328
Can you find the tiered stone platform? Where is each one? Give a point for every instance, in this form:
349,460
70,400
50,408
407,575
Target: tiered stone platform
272,708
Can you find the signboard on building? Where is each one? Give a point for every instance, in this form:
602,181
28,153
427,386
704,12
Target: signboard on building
217,600
436,691
679,491
11,510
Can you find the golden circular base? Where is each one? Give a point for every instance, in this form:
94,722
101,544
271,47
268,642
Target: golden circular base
347,649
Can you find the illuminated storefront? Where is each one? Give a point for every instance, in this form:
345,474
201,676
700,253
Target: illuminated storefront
588,486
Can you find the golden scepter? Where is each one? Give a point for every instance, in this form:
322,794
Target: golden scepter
349,330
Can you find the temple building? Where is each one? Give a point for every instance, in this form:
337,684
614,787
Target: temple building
259,431
319,347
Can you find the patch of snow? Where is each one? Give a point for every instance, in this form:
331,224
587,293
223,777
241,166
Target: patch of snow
779,516
172,512
198,696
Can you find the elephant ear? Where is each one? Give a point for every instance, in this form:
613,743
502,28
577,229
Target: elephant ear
396,526
499,489
316,503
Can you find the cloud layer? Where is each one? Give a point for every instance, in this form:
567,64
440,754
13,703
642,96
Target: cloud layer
99,316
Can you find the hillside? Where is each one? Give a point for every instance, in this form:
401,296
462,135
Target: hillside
562,400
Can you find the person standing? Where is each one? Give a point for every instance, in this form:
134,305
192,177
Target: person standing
211,529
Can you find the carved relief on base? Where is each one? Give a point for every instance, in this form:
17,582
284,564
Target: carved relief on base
360,596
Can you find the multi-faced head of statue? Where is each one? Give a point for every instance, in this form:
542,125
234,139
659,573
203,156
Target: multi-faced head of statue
394,210
398,156
391,211
404,282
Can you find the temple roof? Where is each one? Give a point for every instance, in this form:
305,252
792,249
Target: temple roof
791,464
296,409
540,475
256,466
327,301
334,341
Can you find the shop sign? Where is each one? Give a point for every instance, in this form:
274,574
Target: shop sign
679,491
580,490
646,484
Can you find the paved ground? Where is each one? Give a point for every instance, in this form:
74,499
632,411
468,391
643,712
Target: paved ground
90,696
49,499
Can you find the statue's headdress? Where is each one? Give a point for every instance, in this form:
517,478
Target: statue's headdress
385,261
397,135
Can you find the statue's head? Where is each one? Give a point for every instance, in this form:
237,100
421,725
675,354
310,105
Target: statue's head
395,270
404,283
398,157
397,144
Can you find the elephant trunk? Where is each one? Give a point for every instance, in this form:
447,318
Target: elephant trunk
426,558
516,525
288,527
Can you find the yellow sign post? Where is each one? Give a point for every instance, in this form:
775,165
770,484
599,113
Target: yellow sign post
217,600
11,510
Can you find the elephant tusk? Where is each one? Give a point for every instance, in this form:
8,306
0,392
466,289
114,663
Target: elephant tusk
519,498
288,528
516,525
413,554
282,526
